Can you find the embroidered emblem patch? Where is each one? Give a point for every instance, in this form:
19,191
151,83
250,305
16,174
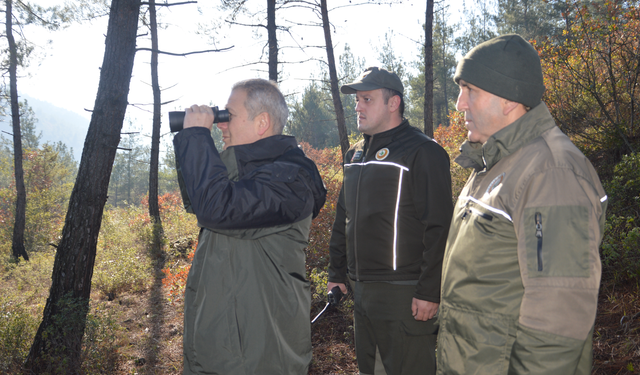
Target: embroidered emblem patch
495,183
356,156
382,154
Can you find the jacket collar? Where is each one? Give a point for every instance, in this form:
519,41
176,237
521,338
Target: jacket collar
385,137
506,141
250,156
243,159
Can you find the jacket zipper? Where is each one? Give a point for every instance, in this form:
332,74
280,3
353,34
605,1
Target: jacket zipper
355,235
538,218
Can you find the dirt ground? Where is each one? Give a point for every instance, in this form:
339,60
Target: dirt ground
154,330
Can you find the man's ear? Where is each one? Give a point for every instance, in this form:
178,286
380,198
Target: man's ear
509,106
394,103
263,123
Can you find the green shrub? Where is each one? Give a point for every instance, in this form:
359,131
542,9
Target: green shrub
29,277
17,329
98,353
624,187
102,338
319,281
621,248
621,242
121,263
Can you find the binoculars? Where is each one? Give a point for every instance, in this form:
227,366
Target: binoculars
176,119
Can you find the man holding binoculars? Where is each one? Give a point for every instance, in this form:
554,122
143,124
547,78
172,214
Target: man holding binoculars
247,301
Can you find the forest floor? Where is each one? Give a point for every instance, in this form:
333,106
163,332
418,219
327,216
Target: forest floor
154,329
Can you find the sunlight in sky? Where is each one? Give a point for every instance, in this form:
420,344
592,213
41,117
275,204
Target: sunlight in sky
68,75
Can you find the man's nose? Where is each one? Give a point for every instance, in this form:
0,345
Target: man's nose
223,125
461,104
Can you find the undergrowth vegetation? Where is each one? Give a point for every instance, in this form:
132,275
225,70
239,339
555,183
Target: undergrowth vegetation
124,271
621,244
134,321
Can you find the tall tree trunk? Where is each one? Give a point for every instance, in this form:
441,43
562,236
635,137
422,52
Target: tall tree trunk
333,77
154,209
57,345
273,42
445,77
17,245
428,70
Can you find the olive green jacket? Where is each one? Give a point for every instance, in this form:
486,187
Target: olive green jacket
247,301
522,269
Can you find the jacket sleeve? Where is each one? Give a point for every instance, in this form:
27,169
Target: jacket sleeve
338,245
558,239
270,196
431,189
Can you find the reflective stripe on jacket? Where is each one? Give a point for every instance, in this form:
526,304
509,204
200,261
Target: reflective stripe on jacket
394,211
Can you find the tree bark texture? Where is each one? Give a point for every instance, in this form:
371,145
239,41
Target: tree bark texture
333,77
428,70
445,81
57,344
154,208
17,245
273,41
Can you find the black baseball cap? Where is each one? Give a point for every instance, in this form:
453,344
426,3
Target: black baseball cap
372,79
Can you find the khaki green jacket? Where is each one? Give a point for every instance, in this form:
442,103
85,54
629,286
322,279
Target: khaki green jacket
521,270
247,302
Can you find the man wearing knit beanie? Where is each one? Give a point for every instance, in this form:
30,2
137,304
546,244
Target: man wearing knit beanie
521,270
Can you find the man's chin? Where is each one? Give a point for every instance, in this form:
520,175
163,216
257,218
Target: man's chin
472,137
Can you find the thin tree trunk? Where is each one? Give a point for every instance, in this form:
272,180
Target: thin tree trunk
57,345
154,208
273,42
333,77
428,70
445,77
17,245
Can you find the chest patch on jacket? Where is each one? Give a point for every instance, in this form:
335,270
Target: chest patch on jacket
495,183
382,154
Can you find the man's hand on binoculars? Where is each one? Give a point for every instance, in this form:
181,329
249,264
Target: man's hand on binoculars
198,116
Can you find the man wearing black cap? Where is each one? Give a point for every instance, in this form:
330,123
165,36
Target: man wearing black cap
521,271
390,230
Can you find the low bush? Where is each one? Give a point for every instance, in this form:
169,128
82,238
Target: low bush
17,328
621,243
103,336
121,263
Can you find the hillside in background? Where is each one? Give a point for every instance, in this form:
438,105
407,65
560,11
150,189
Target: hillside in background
59,124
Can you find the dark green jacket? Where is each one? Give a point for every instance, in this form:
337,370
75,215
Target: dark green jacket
247,302
522,269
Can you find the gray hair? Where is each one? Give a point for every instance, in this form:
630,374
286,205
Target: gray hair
264,96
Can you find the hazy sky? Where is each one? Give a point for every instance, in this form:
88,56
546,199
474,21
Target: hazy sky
68,75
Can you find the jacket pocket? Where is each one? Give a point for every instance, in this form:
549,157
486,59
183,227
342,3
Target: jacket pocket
481,218
538,222
474,342
557,241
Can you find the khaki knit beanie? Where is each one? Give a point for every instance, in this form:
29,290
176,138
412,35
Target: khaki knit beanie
506,66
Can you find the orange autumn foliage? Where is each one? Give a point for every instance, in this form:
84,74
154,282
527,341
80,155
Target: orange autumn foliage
450,138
